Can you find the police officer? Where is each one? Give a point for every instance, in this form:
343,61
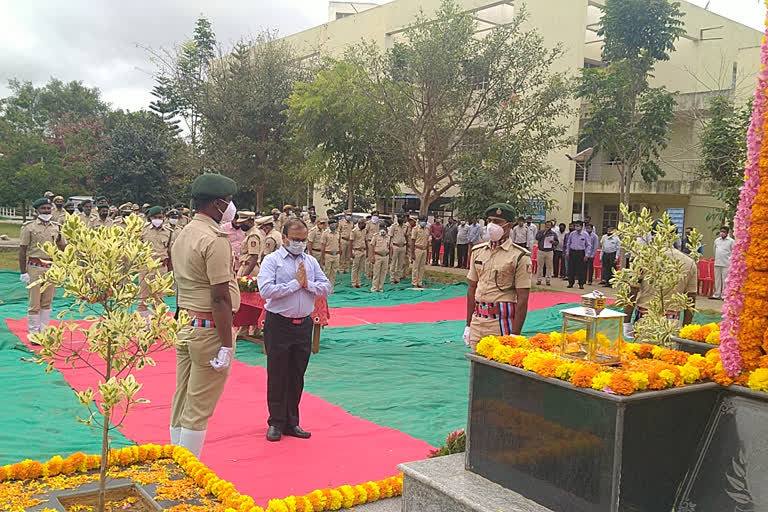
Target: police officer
399,248
314,239
420,239
159,235
123,212
102,219
273,239
59,214
380,251
86,212
345,230
287,209
330,250
251,248
34,263
371,230
69,207
202,257
359,245
499,280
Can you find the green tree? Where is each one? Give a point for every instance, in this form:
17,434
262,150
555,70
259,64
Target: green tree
441,86
331,122
626,118
133,164
724,154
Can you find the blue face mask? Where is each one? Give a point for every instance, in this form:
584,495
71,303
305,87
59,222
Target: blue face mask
348,217
423,224
333,227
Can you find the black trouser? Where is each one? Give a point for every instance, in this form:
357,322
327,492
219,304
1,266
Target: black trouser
576,267
288,346
609,266
448,254
590,264
557,263
436,251
462,251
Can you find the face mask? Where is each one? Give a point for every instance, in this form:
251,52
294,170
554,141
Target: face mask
578,229
423,224
45,217
59,206
313,218
173,222
401,222
156,222
333,228
275,216
228,215
348,217
383,231
495,232
462,223
374,219
295,247
245,228
103,215
87,211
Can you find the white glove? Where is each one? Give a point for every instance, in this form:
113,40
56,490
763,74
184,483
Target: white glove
465,336
223,359
24,278
629,331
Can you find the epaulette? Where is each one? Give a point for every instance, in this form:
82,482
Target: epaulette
521,249
29,222
478,246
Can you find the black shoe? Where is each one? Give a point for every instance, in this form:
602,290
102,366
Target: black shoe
297,432
273,434
581,287
569,286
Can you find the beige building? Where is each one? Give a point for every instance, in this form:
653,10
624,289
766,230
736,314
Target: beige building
715,56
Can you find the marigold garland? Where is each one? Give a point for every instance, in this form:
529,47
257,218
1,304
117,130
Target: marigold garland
345,496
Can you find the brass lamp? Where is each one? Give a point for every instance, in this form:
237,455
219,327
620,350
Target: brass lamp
591,332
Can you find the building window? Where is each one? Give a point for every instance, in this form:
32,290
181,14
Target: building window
610,216
340,15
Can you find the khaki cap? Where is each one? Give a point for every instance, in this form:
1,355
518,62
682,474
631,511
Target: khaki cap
126,207
246,215
265,220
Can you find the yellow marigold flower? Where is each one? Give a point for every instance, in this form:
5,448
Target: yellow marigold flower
687,331
713,326
317,499
486,346
603,340
336,499
640,379
522,342
361,495
277,506
713,338
501,353
668,376
758,379
565,370
556,337
601,380
657,352
349,495
373,491
580,336
689,373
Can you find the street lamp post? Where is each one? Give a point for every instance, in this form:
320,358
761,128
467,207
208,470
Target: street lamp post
580,158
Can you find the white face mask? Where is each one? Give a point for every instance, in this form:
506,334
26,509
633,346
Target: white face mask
156,222
173,222
383,231
374,219
296,247
45,217
495,232
228,215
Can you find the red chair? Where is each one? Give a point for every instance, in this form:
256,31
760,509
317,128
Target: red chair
534,258
706,277
598,267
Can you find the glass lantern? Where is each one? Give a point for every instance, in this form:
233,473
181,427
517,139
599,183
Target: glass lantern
591,332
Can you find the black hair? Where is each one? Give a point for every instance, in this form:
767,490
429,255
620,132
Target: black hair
291,223
726,229
201,203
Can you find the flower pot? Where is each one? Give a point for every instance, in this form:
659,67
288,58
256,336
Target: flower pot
117,490
692,347
579,450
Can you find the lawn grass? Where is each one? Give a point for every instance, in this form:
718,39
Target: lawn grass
9,259
10,229
444,277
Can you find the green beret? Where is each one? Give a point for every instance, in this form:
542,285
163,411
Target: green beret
40,202
213,186
154,211
501,210
101,205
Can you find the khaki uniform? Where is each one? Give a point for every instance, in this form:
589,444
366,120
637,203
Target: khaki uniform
345,229
86,218
280,222
688,282
399,248
161,242
251,248
272,242
314,237
371,230
183,221
33,235
409,249
420,239
97,222
499,274
59,216
380,245
331,245
202,257
359,250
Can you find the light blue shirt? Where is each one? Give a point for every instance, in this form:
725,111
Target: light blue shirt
593,244
283,293
475,234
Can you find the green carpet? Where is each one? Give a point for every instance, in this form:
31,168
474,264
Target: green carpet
344,296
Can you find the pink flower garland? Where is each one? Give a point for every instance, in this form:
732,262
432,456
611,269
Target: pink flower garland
734,284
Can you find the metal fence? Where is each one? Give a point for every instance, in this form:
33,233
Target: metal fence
12,212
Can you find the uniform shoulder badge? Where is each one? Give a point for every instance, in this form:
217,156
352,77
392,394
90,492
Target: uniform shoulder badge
478,246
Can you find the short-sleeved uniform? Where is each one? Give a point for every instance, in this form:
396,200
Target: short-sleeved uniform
420,239
345,229
59,216
202,258
97,222
688,283
251,249
330,243
380,260
160,238
33,235
314,237
399,248
272,242
359,250
371,230
499,273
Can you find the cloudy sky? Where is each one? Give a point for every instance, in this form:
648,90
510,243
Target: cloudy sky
99,41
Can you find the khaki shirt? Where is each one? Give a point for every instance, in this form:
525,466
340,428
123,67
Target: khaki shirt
35,233
59,216
499,272
314,237
687,283
331,240
202,257
371,230
358,238
397,232
420,237
253,245
380,244
96,223
86,218
280,222
272,242
159,238
345,228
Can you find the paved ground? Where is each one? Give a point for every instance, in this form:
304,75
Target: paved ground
387,505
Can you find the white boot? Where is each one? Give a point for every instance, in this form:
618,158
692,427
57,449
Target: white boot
192,440
45,317
175,435
33,325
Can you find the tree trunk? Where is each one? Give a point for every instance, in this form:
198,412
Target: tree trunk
104,462
425,199
350,198
260,197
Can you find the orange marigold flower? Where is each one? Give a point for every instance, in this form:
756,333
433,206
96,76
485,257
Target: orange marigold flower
582,378
675,357
722,378
622,384
542,341
548,367
517,356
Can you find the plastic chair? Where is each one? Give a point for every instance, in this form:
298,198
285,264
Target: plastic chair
597,265
706,277
535,258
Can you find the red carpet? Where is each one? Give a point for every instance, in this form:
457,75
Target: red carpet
427,312
343,449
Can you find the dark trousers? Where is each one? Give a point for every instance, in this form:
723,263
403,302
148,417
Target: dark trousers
590,264
462,250
436,251
609,266
576,267
449,251
288,347
557,264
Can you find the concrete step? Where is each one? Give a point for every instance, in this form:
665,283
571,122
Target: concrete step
385,505
442,484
